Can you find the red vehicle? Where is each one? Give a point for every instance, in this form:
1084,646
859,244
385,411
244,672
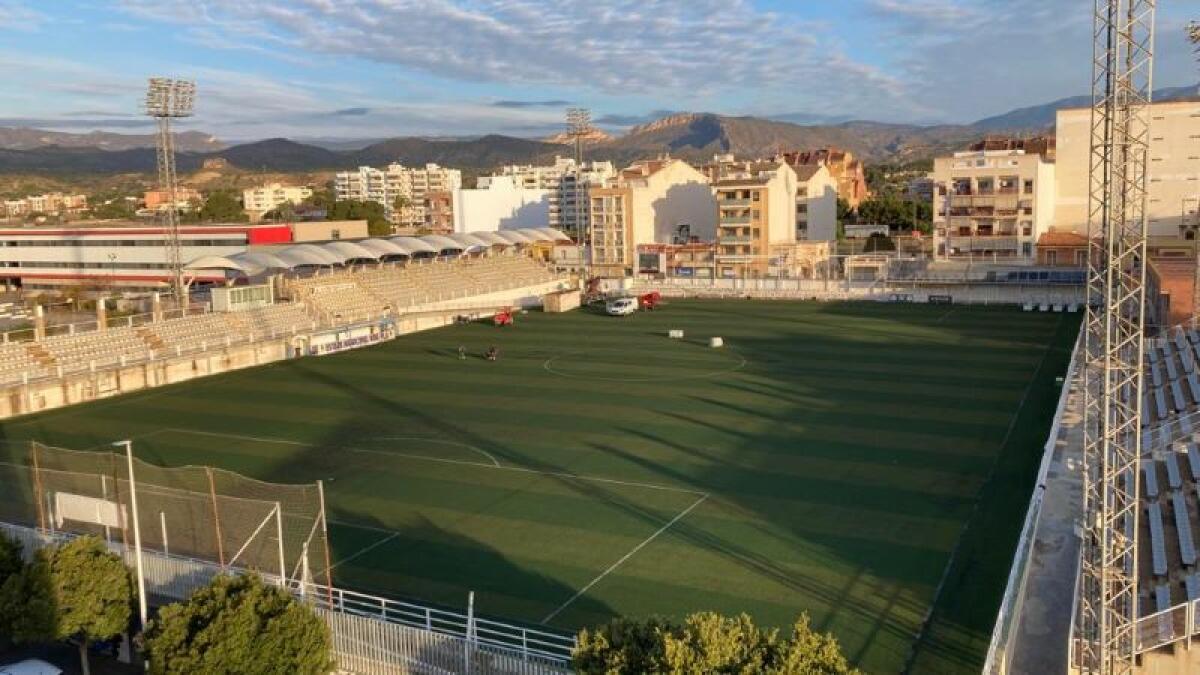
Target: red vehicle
503,318
650,301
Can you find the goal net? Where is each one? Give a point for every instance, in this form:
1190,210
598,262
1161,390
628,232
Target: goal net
195,512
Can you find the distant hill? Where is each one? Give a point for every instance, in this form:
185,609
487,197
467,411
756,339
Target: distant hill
692,136
24,138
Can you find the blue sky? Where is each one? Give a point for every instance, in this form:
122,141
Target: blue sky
370,68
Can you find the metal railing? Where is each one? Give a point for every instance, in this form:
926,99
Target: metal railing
371,634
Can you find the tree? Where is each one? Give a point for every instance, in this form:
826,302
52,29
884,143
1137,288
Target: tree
372,212
222,206
709,643
11,561
878,242
77,591
238,625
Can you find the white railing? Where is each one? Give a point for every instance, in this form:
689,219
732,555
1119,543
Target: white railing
371,634
999,655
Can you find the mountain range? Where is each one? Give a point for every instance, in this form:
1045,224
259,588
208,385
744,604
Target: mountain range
692,136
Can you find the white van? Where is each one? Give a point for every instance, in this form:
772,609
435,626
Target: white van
621,306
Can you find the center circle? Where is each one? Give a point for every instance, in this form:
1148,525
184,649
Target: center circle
687,362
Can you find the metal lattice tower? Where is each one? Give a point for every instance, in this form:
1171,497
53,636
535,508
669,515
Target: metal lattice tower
167,99
1193,34
579,125
1113,341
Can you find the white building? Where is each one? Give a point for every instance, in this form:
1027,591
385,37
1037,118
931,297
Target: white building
568,184
51,203
816,203
259,200
992,204
499,203
416,188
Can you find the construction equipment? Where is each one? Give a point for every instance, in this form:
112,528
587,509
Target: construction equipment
503,318
650,301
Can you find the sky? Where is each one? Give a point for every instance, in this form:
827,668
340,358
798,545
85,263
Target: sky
376,68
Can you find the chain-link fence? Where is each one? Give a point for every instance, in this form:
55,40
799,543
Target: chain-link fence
195,512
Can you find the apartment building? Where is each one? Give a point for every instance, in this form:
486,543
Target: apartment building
756,210
816,203
259,200
992,202
411,197
185,199
50,204
651,201
567,184
1173,171
847,172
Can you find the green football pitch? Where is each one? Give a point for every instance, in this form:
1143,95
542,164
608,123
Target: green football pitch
866,463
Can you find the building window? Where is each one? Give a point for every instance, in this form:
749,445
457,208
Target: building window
1028,187
335,234
1051,257
1026,249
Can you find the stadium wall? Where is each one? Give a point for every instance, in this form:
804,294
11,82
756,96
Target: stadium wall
965,292
36,396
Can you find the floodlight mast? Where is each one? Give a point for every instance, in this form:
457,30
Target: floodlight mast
166,99
579,125
1114,326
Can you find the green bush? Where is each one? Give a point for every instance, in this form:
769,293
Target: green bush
239,625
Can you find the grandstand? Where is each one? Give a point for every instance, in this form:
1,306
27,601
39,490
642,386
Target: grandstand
336,286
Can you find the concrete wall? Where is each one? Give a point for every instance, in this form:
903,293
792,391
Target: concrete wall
821,202
82,387
322,230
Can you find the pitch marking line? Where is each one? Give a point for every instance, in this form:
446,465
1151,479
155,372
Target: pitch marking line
460,462
625,557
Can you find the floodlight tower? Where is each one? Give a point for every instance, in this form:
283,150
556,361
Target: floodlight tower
579,125
167,99
1122,60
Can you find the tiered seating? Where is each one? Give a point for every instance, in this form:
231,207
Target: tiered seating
272,319
17,363
339,298
1158,545
99,349
190,333
1172,383
422,283
1183,526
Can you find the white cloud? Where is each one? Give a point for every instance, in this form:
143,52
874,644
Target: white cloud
691,50
19,16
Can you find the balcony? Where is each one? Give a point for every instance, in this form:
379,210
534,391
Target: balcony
734,220
984,243
736,240
733,202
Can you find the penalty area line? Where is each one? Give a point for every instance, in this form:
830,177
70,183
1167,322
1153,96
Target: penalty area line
679,516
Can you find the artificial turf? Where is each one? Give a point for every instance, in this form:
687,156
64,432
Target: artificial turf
829,459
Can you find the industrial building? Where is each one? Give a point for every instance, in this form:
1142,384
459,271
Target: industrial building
132,257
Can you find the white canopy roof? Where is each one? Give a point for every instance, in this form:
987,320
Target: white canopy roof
383,247
556,235
470,239
535,233
308,254
263,259
414,245
443,243
220,262
492,238
516,237
348,251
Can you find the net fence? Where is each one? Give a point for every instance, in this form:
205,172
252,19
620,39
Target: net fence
196,512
